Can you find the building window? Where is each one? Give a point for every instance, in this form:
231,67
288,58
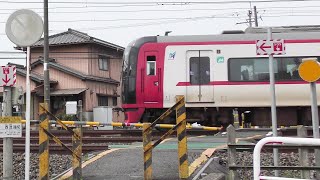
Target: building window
114,101
103,63
102,100
257,69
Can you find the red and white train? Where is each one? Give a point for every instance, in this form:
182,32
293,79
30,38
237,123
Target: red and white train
217,73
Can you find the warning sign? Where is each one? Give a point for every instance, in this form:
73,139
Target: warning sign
10,127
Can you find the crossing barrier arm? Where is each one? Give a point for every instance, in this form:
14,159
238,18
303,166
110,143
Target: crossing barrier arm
166,134
167,112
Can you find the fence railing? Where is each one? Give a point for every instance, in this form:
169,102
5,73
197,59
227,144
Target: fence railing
234,147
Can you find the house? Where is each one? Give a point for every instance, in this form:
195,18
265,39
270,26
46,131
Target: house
81,67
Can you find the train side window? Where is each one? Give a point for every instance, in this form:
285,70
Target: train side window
250,69
151,65
261,69
194,70
290,67
199,70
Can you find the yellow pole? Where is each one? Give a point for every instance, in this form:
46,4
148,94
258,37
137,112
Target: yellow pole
43,143
182,140
147,149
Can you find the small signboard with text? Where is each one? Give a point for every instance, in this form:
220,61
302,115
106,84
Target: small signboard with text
8,76
10,127
270,47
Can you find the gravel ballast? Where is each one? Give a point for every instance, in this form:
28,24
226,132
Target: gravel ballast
246,159
58,164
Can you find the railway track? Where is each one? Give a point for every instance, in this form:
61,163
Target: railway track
93,140
56,149
120,132
85,140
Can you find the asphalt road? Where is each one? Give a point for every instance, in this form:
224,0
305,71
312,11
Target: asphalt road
127,164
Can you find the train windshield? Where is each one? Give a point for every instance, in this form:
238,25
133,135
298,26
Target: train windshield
129,69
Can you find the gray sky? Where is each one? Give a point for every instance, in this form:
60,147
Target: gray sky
121,21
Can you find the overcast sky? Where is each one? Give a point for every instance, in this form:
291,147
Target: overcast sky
121,21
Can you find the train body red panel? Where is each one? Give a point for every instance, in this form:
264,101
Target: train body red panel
216,74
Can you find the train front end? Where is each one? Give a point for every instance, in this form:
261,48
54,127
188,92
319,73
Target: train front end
131,100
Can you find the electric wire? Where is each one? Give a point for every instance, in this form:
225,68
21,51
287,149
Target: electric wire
158,3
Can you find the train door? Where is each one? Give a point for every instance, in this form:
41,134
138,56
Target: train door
199,75
151,80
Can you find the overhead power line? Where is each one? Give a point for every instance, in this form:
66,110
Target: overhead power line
106,6
159,22
136,11
158,3
133,19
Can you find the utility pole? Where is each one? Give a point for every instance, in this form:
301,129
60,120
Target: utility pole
250,14
46,57
43,137
255,16
7,141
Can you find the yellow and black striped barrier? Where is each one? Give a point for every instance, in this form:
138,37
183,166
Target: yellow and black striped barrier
44,133
77,147
76,153
43,143
181,127
147,151
182,139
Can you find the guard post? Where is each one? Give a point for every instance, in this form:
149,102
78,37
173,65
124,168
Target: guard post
77,146
182,138
43,143
44,135
181,127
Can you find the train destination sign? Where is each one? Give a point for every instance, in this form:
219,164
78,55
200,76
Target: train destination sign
10,127
270,47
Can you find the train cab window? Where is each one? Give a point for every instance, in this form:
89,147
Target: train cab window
151,65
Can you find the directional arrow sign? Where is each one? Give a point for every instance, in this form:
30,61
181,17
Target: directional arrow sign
270,47
7,76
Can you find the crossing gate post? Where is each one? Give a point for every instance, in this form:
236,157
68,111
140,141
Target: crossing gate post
77,147
303,153
76,154
236,118
231,151
180,127
147,149
44,135
43,142
182,138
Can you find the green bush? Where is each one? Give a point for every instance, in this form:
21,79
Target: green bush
66,117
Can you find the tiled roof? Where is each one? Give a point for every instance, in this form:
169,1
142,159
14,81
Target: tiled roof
33,76
61,92
76,73
75,37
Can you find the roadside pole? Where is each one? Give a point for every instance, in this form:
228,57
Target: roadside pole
7,141
28,103
315,123
24,36
273,104
309,70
